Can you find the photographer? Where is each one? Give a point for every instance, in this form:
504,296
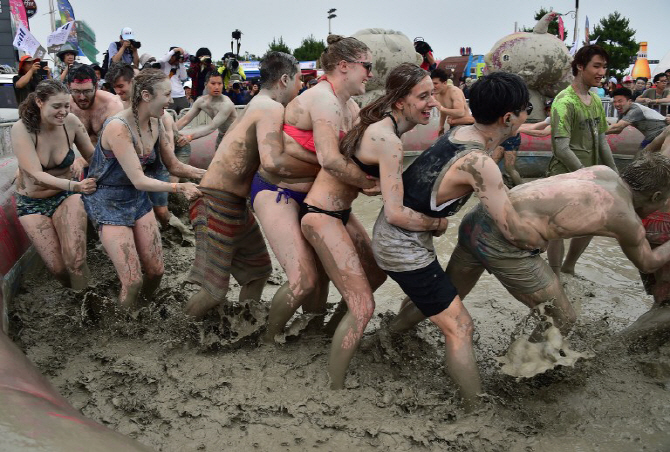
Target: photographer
172,64
66,54
201,67
125,50
424,49
231,69
31,72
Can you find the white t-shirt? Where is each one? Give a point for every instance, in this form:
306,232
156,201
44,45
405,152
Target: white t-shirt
179,77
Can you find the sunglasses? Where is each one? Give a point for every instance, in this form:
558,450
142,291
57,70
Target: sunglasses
366,64
529,110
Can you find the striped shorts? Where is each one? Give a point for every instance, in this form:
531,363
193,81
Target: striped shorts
228,241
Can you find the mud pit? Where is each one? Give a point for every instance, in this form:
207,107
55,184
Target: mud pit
176,385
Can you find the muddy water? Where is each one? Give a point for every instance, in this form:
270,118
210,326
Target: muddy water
176,385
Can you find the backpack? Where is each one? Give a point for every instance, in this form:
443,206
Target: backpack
105,60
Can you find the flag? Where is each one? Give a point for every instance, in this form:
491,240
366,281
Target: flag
561,28
18,11
586,31
24,40
60,36
67,15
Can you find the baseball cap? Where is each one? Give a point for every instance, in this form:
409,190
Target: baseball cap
613,79
127,33
146,58
627,78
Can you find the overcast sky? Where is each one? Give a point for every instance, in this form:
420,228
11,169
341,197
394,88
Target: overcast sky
446,25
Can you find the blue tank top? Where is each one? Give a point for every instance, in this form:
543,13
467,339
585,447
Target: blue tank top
422,179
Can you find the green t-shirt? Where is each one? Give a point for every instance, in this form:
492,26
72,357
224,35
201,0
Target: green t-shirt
571,118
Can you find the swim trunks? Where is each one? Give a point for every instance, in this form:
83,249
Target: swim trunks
227,241
657,225
25,205
481,244
258,184
429,288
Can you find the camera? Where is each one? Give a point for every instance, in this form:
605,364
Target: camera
179,56
43,64
136,44
155,65
237,34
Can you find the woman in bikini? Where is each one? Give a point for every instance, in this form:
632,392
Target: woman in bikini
339,239
314,124
131,144
48,202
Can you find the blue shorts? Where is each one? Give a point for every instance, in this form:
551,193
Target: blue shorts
160,198
119,205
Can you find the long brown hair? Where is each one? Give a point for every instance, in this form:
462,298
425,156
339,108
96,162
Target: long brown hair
399,84
147,80
341,48
29,111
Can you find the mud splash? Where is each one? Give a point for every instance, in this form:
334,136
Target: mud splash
176,385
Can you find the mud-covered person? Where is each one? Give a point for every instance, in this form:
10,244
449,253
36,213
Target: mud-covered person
131,144
437,184
228,239
314,123
121,76
48,202
92,106
338,237
649,122
657,284
451,100
217,106
578,126
591,201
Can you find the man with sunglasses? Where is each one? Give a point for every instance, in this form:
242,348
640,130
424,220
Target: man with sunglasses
578,126
89,104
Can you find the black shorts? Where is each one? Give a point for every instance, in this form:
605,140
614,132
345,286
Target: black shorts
429,288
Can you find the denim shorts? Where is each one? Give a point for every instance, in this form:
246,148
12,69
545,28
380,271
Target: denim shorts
119,205
160,198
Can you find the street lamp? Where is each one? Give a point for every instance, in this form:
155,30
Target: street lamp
331,16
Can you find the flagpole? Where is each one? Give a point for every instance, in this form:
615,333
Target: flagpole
576,23
51,14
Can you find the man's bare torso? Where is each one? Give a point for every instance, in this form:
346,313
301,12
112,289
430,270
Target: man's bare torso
585,202
105,106
213,106
450,97
237,159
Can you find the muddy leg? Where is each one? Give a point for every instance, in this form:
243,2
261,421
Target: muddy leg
456,325
69,219
42,234
559,308
555,252
200,304
162,215
282,230
150,252
119,243
577,246
337,252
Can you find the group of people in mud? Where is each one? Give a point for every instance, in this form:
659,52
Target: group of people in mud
293,165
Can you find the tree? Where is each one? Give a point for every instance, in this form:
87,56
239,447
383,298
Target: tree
310,49
279,46
553,26
616,37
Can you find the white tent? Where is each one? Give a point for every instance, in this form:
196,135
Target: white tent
663,64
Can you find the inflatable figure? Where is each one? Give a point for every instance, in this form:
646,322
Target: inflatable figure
538,57
389,48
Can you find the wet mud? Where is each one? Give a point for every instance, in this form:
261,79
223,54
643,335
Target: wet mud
179,385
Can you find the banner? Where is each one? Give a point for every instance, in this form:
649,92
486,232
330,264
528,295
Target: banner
18,11
561,28
24,40
67,15
60,36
